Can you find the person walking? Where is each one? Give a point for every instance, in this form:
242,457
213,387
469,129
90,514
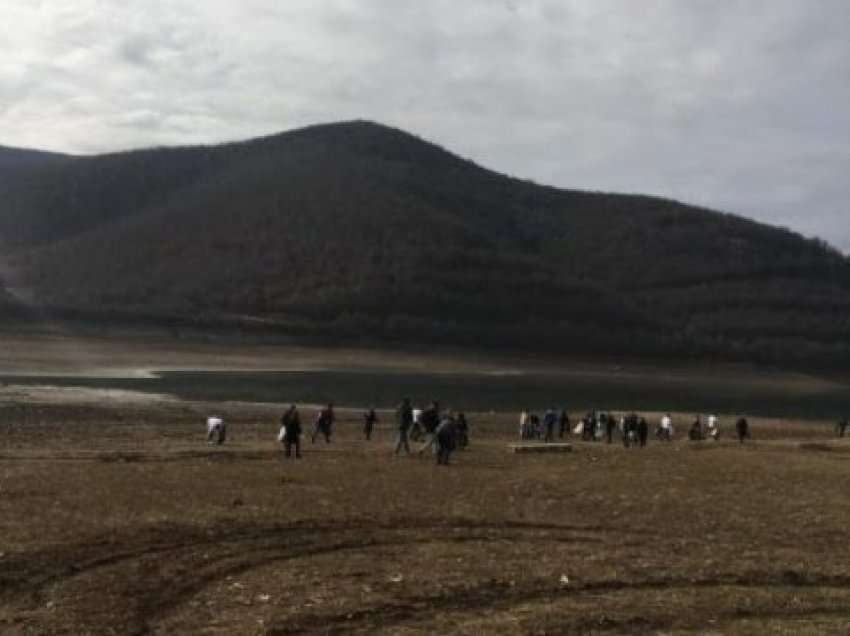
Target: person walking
370,417
404,420
430,422
324,423
445,438
290,432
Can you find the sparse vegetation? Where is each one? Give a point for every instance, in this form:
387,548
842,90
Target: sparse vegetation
119,518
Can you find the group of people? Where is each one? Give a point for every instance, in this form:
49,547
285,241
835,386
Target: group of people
441,432
532,427
290,431
711,429
633,429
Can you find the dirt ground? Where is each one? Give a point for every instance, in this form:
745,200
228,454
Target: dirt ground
117,518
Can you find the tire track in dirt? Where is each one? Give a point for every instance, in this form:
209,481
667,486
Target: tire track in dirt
188,567
503,596
140,457
42,567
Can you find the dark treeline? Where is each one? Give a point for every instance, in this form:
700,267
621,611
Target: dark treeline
355,229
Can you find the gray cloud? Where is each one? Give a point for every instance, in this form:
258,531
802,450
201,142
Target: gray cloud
735,105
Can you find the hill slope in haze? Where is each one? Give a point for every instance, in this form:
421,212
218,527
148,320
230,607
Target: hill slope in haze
358,229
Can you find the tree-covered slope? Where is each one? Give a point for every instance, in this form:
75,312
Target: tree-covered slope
360,229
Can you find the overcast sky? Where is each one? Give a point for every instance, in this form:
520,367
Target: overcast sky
738,105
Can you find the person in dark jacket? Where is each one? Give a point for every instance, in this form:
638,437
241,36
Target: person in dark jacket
324,423
290,435
610,425
643,431
563,424
630,430
841,427
695,433
535,431
462,431
586,428
550,418
430,422
591,422
743,429
445,438
370,417
404,420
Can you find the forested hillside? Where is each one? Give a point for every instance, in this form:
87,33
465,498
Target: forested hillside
359,230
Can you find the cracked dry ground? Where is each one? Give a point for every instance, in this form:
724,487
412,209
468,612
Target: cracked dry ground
125,522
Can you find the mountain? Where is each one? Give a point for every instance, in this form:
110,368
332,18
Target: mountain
15,159
356,229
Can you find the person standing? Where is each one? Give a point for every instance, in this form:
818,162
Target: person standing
667,428
330,420
610,425
743,429
841,427
643,431
626,423
370,417
550,418
563,423
631,430
462,431
713,428
523,425
534,426
416,429
404,420
290,432
695,434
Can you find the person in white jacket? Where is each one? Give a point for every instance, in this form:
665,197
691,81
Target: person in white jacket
667,428
713,427
523,425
